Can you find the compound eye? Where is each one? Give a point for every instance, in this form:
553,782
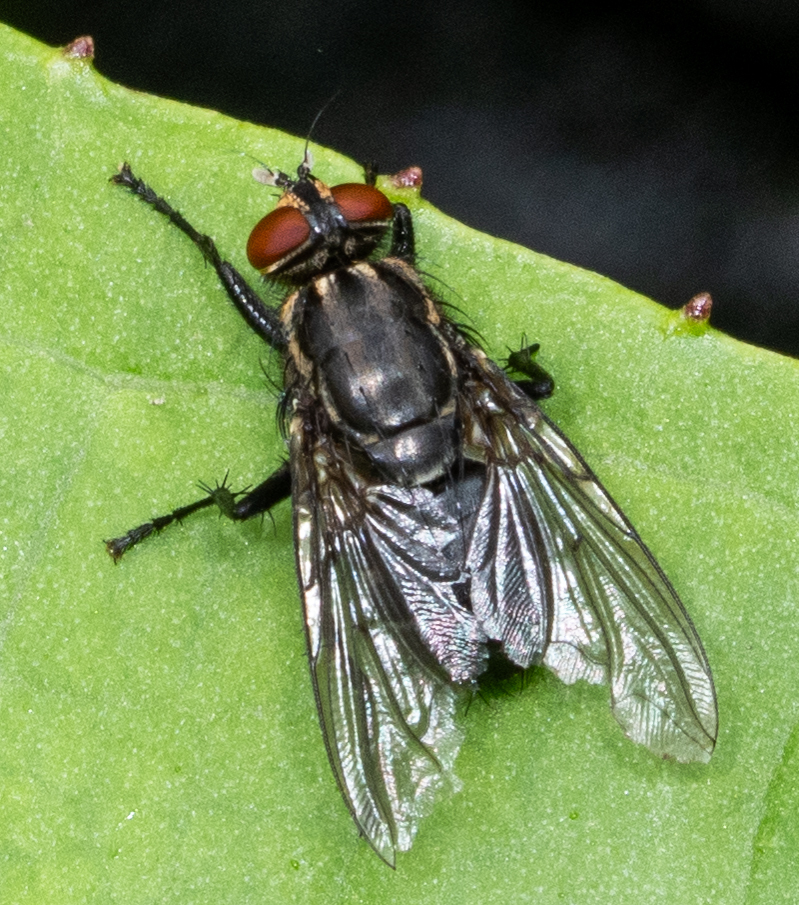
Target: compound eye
276,236
362,203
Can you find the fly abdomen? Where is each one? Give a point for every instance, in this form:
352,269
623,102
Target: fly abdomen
381,369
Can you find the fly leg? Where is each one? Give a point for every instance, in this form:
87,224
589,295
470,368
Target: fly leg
263,320
402,240
239,506
403,245
260,499
539,383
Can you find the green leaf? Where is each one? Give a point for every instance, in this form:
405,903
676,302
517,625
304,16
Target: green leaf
159,735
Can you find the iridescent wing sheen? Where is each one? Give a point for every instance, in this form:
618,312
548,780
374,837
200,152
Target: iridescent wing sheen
560,576
386,634
403,587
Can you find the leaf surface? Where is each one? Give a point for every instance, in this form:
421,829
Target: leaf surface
159,735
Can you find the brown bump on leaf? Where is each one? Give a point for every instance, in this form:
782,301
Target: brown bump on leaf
81,48
409,178
698,308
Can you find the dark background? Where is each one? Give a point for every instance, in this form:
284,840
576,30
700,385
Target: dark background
656,146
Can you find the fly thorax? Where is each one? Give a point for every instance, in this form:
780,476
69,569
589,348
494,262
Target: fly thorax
381,370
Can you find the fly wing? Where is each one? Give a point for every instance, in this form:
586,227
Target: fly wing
580,591
386,635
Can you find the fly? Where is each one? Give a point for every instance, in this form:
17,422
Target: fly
439,515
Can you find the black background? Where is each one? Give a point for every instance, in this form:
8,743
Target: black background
656,146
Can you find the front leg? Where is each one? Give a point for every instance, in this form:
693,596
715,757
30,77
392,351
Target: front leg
403,245
263,320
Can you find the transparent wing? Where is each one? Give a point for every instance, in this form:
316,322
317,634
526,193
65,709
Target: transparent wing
560,575
386,634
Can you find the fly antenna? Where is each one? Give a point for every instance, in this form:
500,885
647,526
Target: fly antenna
307,159
263,173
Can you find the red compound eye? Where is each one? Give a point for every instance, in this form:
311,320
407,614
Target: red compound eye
277,235
361,203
